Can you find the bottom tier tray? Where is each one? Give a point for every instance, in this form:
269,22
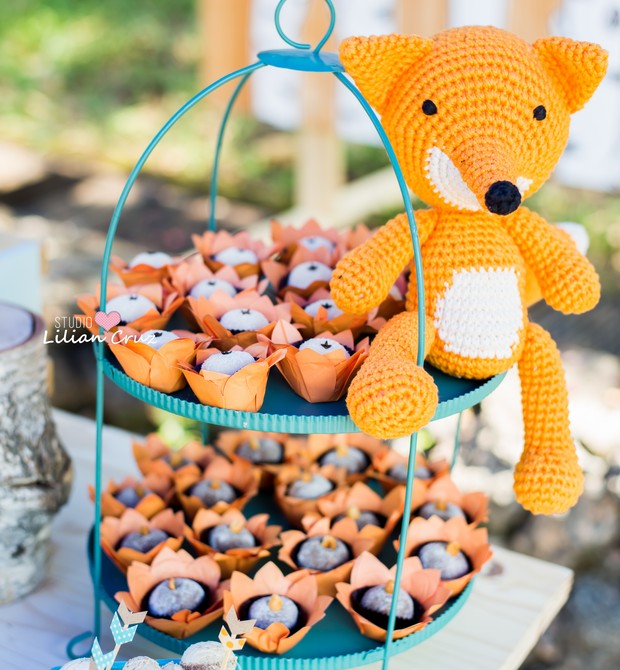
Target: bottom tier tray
333,644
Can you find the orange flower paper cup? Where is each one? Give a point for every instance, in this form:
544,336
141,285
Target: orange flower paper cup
287,243
154,456
300,587
242,476
244,390
318,377
318,446
113,530
156,368
230,441
296,508
211,243
154,319
206,312
157,489
443,490
313,326
361,498
424,586
386,459
473,542
192,270
142,578
141,273
241,559
345,530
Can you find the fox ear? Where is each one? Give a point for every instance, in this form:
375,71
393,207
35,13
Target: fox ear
375,63
577,67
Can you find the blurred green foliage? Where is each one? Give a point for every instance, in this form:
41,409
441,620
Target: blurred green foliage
64,62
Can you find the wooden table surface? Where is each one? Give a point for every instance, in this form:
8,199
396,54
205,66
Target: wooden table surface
507,612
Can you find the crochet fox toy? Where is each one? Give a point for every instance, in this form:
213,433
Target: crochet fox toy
478,119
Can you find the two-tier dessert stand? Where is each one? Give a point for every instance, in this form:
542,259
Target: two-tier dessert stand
335,643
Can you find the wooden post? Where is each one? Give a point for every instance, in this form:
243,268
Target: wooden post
421,17
530,18
224,27
320,165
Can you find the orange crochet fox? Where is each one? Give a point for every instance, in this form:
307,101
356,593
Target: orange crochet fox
478,119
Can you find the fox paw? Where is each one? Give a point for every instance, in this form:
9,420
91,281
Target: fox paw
548,480
390,399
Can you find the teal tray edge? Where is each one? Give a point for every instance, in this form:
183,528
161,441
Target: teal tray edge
266,662
455,395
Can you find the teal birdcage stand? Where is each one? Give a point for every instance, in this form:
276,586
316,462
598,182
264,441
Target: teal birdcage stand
340,645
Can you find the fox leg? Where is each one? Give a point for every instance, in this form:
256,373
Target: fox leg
391,395
548,479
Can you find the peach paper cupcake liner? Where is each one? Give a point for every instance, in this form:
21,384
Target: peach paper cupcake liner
443,490
141,273
211,243
313,376
286,241
424,586
244,390
153,456
156,368
345,530
152,503
473,542
243,477
300,587
242,559
185,275
296,508
318,445
229,441
154,319
359,498
114,529
142,578
387,458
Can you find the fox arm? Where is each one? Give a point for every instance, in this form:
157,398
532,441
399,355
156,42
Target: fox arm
364,277
567,280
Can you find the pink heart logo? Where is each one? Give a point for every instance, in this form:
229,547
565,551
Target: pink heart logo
107,321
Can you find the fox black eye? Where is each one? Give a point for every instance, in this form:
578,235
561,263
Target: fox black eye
429,107
540,113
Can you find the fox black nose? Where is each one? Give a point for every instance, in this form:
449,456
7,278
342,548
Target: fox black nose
502,198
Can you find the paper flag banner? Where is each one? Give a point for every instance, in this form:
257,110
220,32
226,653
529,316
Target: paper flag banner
102,660
234,644
238,627
130,617
121,635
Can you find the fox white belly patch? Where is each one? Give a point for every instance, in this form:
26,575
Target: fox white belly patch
480,314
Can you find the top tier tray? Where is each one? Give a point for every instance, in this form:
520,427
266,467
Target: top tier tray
285,412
